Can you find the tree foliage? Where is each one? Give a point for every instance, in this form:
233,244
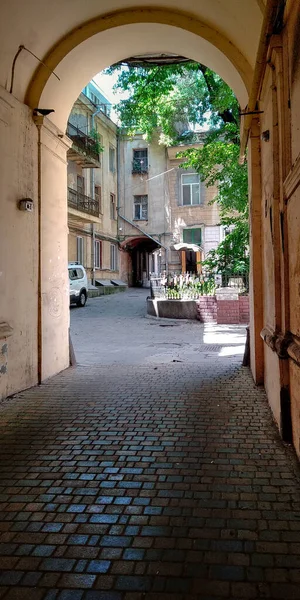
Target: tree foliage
231,256
175,100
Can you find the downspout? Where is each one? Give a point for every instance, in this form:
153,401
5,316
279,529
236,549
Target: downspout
118,181
118,203
93,174
38,120
93,253
93,196
260,65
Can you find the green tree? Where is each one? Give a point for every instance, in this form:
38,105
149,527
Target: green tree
173,100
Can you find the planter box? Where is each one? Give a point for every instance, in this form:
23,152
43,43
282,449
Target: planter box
172,309
207,309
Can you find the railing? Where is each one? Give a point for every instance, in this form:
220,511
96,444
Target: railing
140,165
84,203
188,286
85,143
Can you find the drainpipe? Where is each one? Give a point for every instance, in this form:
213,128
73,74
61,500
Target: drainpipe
260,65
120,261
93,174
38,120
93,196
93,254
118,181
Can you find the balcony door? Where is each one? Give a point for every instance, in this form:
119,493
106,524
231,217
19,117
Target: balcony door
80,184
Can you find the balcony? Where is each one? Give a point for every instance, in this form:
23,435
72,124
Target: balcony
84,150
140,165
83,203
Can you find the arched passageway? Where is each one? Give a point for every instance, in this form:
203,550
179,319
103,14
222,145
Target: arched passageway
144,255
238,42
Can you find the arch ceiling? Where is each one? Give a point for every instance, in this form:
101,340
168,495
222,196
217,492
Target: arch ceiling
77,40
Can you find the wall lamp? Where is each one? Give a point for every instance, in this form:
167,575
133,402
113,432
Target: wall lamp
43,111
26,204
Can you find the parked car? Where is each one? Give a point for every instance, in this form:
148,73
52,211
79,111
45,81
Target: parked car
78,284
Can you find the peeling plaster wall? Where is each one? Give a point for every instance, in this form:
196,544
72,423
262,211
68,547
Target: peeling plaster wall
18,246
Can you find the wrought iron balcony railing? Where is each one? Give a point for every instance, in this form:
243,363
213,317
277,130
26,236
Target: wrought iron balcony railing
140,165
81,202
87,145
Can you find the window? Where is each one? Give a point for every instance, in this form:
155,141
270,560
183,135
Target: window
94,98
140,161
140,208
80,184
112,159
190,189
76,274
80,250
113,257
98,197
97,254
192,236
113,207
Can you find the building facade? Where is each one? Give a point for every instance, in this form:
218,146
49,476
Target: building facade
92,186
166,221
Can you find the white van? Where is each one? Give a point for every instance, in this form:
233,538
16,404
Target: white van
78,284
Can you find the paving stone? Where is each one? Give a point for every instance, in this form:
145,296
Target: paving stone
98,566
125,482
57,564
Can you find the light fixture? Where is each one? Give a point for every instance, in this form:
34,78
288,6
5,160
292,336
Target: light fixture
265,136
26,204
43,111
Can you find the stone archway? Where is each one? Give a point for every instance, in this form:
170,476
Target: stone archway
76,53
103,41
120,34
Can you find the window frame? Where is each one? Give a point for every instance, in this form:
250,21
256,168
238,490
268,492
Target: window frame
193,229
137,202
98,195
114,258
80,249
112,158
80,185
140,164
113,215
97,254
190,185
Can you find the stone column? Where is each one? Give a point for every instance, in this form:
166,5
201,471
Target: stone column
256,250
53,250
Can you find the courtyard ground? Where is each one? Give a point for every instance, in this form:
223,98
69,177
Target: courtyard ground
152,470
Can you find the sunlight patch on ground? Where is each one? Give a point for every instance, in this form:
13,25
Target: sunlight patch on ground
231,338
231,350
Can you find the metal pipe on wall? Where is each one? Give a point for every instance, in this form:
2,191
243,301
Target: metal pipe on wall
38,120
270,13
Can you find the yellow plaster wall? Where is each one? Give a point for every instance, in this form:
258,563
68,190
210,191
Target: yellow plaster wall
18,244
54,228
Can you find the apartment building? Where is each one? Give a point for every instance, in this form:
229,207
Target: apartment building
92,186
166,221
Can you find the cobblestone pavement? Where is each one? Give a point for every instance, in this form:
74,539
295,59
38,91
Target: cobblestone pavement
147,481
130,338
